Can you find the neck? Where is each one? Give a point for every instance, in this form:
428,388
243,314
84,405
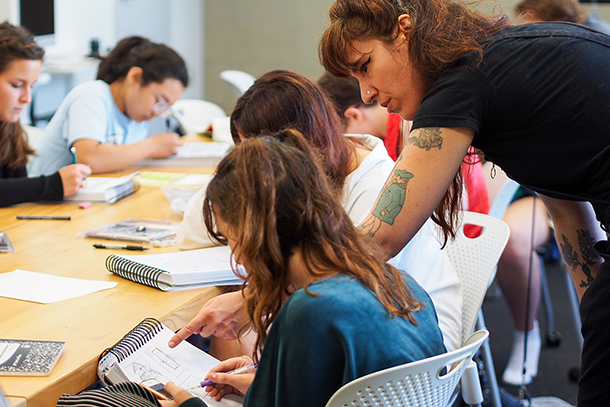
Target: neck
118,94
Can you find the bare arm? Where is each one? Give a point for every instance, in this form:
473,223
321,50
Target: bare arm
419,180
108,157
576,231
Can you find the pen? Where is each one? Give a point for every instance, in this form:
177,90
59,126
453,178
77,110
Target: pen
43,217
120,247
244,369
73,150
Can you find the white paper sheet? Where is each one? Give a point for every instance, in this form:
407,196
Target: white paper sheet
47,288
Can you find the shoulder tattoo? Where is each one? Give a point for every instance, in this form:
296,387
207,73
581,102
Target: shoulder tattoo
428,138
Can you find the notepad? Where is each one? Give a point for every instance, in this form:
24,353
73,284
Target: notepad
143,354
100,189
29,358
174,179
170,271
192,154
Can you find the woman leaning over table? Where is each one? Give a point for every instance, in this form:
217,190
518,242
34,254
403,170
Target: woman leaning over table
534,98
20,63
353,163
348,313
106,120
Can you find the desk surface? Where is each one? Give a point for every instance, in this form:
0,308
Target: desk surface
91,323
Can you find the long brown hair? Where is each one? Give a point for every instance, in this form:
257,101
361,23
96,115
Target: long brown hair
282,99
158,62
15,43
441,32
281,202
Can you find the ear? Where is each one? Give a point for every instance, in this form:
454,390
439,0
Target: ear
134,76
353,114
404,24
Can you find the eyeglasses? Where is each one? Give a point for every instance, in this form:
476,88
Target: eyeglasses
161,108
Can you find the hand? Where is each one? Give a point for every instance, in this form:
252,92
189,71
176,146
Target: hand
229,383
222,316
179,394
73,177
163,145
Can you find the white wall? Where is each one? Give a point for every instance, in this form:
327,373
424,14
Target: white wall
177,23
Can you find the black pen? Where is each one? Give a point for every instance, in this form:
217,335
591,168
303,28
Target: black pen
120,247
43,217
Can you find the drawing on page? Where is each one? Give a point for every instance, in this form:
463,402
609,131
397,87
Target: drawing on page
145,372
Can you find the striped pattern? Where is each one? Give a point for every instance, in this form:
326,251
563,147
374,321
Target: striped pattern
120,395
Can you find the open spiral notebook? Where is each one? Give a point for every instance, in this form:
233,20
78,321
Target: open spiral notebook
143,354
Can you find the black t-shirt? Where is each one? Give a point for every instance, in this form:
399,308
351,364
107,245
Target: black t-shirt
539,103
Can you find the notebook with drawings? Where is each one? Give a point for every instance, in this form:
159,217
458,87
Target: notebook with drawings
143,354
177,270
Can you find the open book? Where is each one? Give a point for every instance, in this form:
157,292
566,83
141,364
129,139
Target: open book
143,354
169,271
100,189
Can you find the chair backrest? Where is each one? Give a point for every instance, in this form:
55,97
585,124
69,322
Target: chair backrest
474,260
423,383
195,115
239,81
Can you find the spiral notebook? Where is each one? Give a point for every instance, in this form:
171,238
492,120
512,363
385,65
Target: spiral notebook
143,354
170,271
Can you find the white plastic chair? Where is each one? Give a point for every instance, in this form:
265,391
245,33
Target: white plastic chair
195,115
424,383
475,260
239,81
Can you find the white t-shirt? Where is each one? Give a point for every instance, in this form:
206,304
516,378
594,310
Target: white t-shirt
422,258
88,112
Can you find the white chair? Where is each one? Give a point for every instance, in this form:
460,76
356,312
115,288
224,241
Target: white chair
239,81
195,115
474,260
423,383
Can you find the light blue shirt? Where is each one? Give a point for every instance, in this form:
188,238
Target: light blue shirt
88,112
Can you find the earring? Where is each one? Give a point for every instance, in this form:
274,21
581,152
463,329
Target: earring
368,92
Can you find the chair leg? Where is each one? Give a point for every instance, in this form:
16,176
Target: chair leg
553,338
489,365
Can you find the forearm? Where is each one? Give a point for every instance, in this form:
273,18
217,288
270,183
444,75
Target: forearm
109,157
19,190
576,231
418,182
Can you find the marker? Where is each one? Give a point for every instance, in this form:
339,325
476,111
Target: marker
244,369
42,217
120,247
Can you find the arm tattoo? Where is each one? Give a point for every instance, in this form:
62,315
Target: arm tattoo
588,253
428,138
389,204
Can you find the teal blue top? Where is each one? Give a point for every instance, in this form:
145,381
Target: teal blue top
318,343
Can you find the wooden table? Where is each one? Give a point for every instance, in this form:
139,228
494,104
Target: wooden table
94,322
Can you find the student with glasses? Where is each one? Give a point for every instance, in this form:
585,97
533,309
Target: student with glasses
105,121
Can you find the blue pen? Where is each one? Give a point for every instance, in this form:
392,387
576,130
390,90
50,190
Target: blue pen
244,369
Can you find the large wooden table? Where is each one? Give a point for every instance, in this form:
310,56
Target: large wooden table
91,323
